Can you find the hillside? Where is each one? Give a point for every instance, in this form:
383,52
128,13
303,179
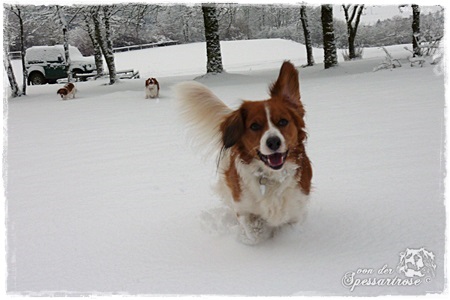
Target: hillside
237,56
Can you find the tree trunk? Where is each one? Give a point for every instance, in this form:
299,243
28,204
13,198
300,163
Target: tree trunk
352,28
67,55
97,49
97,29
65,26
416,29
214,57
351,47
329,45
9,71
109,54
22,51
247,24
307,34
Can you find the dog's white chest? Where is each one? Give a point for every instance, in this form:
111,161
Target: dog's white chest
152,90
277,199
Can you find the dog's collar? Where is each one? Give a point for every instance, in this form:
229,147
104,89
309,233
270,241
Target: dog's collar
265,181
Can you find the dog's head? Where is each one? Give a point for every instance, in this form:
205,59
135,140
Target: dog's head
62,92
151,81
271,130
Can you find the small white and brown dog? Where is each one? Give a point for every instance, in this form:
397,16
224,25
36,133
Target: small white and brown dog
67,91
151,88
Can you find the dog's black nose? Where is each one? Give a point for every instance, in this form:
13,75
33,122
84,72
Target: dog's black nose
273,143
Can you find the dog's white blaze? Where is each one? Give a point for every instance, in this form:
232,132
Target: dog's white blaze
272,131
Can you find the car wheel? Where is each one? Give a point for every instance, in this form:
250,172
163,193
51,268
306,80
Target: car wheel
37,79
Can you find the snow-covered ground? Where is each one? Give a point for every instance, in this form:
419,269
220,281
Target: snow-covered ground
105,197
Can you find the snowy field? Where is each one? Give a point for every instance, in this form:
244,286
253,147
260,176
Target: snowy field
105,197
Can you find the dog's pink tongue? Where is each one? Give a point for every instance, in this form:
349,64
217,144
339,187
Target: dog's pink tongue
275,159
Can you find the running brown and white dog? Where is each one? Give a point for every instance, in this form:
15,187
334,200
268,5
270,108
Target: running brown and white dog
67,91
151,88
264,172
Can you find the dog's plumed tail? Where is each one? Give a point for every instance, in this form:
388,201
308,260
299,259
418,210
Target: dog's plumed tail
203,112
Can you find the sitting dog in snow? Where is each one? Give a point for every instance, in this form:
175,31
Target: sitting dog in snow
151,88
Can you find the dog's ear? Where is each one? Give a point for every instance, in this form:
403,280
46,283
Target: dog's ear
232,128
306,175
287,85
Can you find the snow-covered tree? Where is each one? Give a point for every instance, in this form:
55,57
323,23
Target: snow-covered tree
89,27
214,56
8,68
101,17
136,16
134,24
39,26
329,45
65,28
10,73
18,11
352,21
416,29
307,35
227,14
108,12
66,16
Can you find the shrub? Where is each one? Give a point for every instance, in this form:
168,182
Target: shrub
358,54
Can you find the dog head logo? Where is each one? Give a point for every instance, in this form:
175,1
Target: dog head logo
417,263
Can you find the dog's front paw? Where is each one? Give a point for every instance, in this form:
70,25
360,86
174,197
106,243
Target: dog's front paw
254,230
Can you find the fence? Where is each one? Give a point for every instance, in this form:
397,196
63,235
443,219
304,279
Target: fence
16,54
145,46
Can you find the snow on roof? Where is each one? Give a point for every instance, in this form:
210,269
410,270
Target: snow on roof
50,53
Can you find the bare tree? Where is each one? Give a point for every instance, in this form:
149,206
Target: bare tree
214,56
227,16
329,44
187,17
352,27
416,29
108,12
104,38
89,27
307,35
246,12
66,15
15,92
65,28
137,15
17,10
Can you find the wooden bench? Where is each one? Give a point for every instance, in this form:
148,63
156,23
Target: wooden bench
122,74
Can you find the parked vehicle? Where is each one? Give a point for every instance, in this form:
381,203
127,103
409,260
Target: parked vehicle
46,64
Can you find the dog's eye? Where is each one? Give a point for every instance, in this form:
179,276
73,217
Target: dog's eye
283,122
255,127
